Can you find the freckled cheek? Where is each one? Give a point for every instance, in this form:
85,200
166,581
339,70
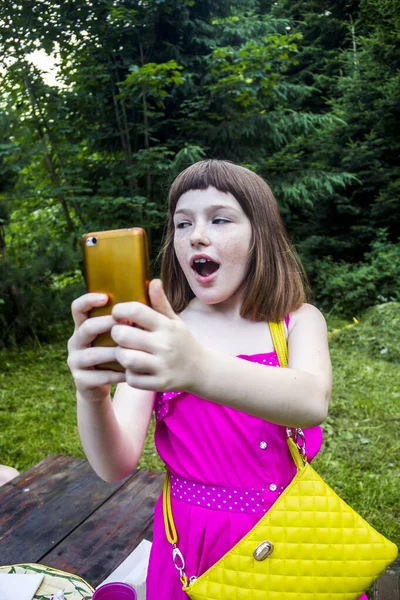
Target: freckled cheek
179,247
237,251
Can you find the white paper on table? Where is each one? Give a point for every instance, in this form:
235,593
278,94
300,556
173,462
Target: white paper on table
19,586
133,570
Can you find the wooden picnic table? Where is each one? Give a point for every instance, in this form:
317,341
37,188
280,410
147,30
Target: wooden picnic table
59,513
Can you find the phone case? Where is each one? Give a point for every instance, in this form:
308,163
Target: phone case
116,263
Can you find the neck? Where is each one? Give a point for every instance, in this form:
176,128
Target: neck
229,309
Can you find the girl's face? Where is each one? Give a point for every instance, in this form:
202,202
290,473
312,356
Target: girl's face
212,243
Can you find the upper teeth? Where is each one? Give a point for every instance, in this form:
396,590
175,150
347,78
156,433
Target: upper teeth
200,260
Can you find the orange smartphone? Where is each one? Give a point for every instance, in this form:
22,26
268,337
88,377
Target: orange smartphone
116,263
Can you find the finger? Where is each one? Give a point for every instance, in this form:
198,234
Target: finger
135,361
139,314
97,378
133,338
141,381
91,328
81,307
90,357
159,300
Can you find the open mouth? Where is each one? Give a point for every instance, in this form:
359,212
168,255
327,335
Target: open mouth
205,267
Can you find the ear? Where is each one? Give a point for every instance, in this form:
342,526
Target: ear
159,300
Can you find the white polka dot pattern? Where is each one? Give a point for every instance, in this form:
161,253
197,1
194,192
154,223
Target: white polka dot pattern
162,404
224,498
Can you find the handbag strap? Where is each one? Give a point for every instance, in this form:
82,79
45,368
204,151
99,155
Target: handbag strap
279,340
297,452
170,528
171,533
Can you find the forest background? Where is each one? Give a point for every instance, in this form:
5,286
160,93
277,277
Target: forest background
306,93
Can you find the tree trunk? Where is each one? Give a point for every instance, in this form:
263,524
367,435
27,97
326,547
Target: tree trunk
50,164
12,289
123,132
54,148
146,128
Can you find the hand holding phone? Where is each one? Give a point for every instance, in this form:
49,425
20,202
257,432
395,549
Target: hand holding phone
91,384
116,263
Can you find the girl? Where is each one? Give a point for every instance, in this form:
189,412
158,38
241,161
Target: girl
203,359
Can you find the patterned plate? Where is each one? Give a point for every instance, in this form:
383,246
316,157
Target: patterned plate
74,587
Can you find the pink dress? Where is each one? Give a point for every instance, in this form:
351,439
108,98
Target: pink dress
227,469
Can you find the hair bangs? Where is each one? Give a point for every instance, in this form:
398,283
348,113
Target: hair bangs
202,175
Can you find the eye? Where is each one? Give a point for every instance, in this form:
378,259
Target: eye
220,221
182,225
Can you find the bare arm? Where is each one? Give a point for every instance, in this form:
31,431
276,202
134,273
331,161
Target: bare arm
297,397
164,355
112,432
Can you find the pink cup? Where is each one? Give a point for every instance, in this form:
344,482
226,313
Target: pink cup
115,591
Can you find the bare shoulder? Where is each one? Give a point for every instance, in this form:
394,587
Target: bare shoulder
308,343
306,316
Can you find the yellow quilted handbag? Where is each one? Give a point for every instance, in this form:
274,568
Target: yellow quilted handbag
309,545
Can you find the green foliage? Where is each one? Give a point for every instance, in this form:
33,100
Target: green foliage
248,74
306,93
152,79
351,288
35,296
186,157
307,190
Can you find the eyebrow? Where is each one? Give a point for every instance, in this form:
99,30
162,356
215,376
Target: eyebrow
210,209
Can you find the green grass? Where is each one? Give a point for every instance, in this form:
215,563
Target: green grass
360,455
37,407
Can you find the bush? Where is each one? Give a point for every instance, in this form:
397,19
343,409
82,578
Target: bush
349,289
36,290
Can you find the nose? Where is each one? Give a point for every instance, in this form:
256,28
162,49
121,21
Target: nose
199,235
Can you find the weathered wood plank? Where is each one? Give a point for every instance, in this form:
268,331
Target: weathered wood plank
387,587
34,521
38,481
99,545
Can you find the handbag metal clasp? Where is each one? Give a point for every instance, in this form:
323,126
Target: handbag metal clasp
179,563
299,435
263,550
300,440
178,559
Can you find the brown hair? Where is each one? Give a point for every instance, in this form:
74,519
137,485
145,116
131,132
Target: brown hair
274,283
